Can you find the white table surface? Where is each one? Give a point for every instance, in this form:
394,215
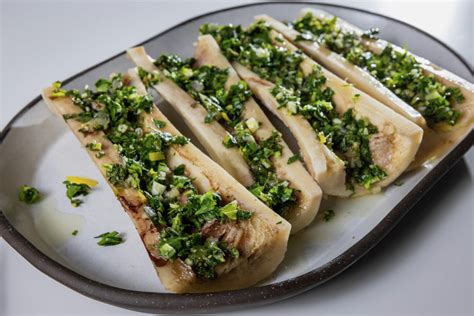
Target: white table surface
424,267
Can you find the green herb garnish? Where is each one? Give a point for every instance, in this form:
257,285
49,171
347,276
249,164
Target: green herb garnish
276,193
109,239
253,47
303,95
398,71
328,215
148,78
293,159
94,146
29,195
97,147
74,190
206,84
75,232
171,201
159,124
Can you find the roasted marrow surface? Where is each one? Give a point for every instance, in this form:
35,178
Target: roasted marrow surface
220,96
434,98
201,228
356,146
206,84
398,70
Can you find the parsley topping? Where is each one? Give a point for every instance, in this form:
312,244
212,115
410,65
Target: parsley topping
109,239
74,190
293,158
29,195
97,147
159,124
328,215
398,71
253,47
303,95
75,232
148,78
171,201
206,84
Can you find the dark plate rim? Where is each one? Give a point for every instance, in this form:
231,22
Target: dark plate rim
169,302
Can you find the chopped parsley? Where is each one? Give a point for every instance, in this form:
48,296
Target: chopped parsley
74,190
303,95
277,194
328,215
29,195
148,78
253,47
109,239
158,123
398,71
206,84
94,146
293,159
75,232
97,147
171,201
347,136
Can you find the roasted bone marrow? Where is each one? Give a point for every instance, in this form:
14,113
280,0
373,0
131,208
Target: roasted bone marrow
225,99
202,229
435,99
350,142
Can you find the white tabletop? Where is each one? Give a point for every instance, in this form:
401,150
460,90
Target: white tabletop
424,267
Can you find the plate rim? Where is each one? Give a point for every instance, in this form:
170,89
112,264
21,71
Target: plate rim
248,297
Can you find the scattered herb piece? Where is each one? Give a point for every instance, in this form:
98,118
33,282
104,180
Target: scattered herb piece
57,91
158,123
94,145
398,183
97,147
73,190
74,233
148,78
109,239
293,158
328,215
29,195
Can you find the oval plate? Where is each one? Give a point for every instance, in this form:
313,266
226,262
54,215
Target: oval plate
123,275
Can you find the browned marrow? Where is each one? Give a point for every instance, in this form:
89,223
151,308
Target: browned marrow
208,53
261,240
436,140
